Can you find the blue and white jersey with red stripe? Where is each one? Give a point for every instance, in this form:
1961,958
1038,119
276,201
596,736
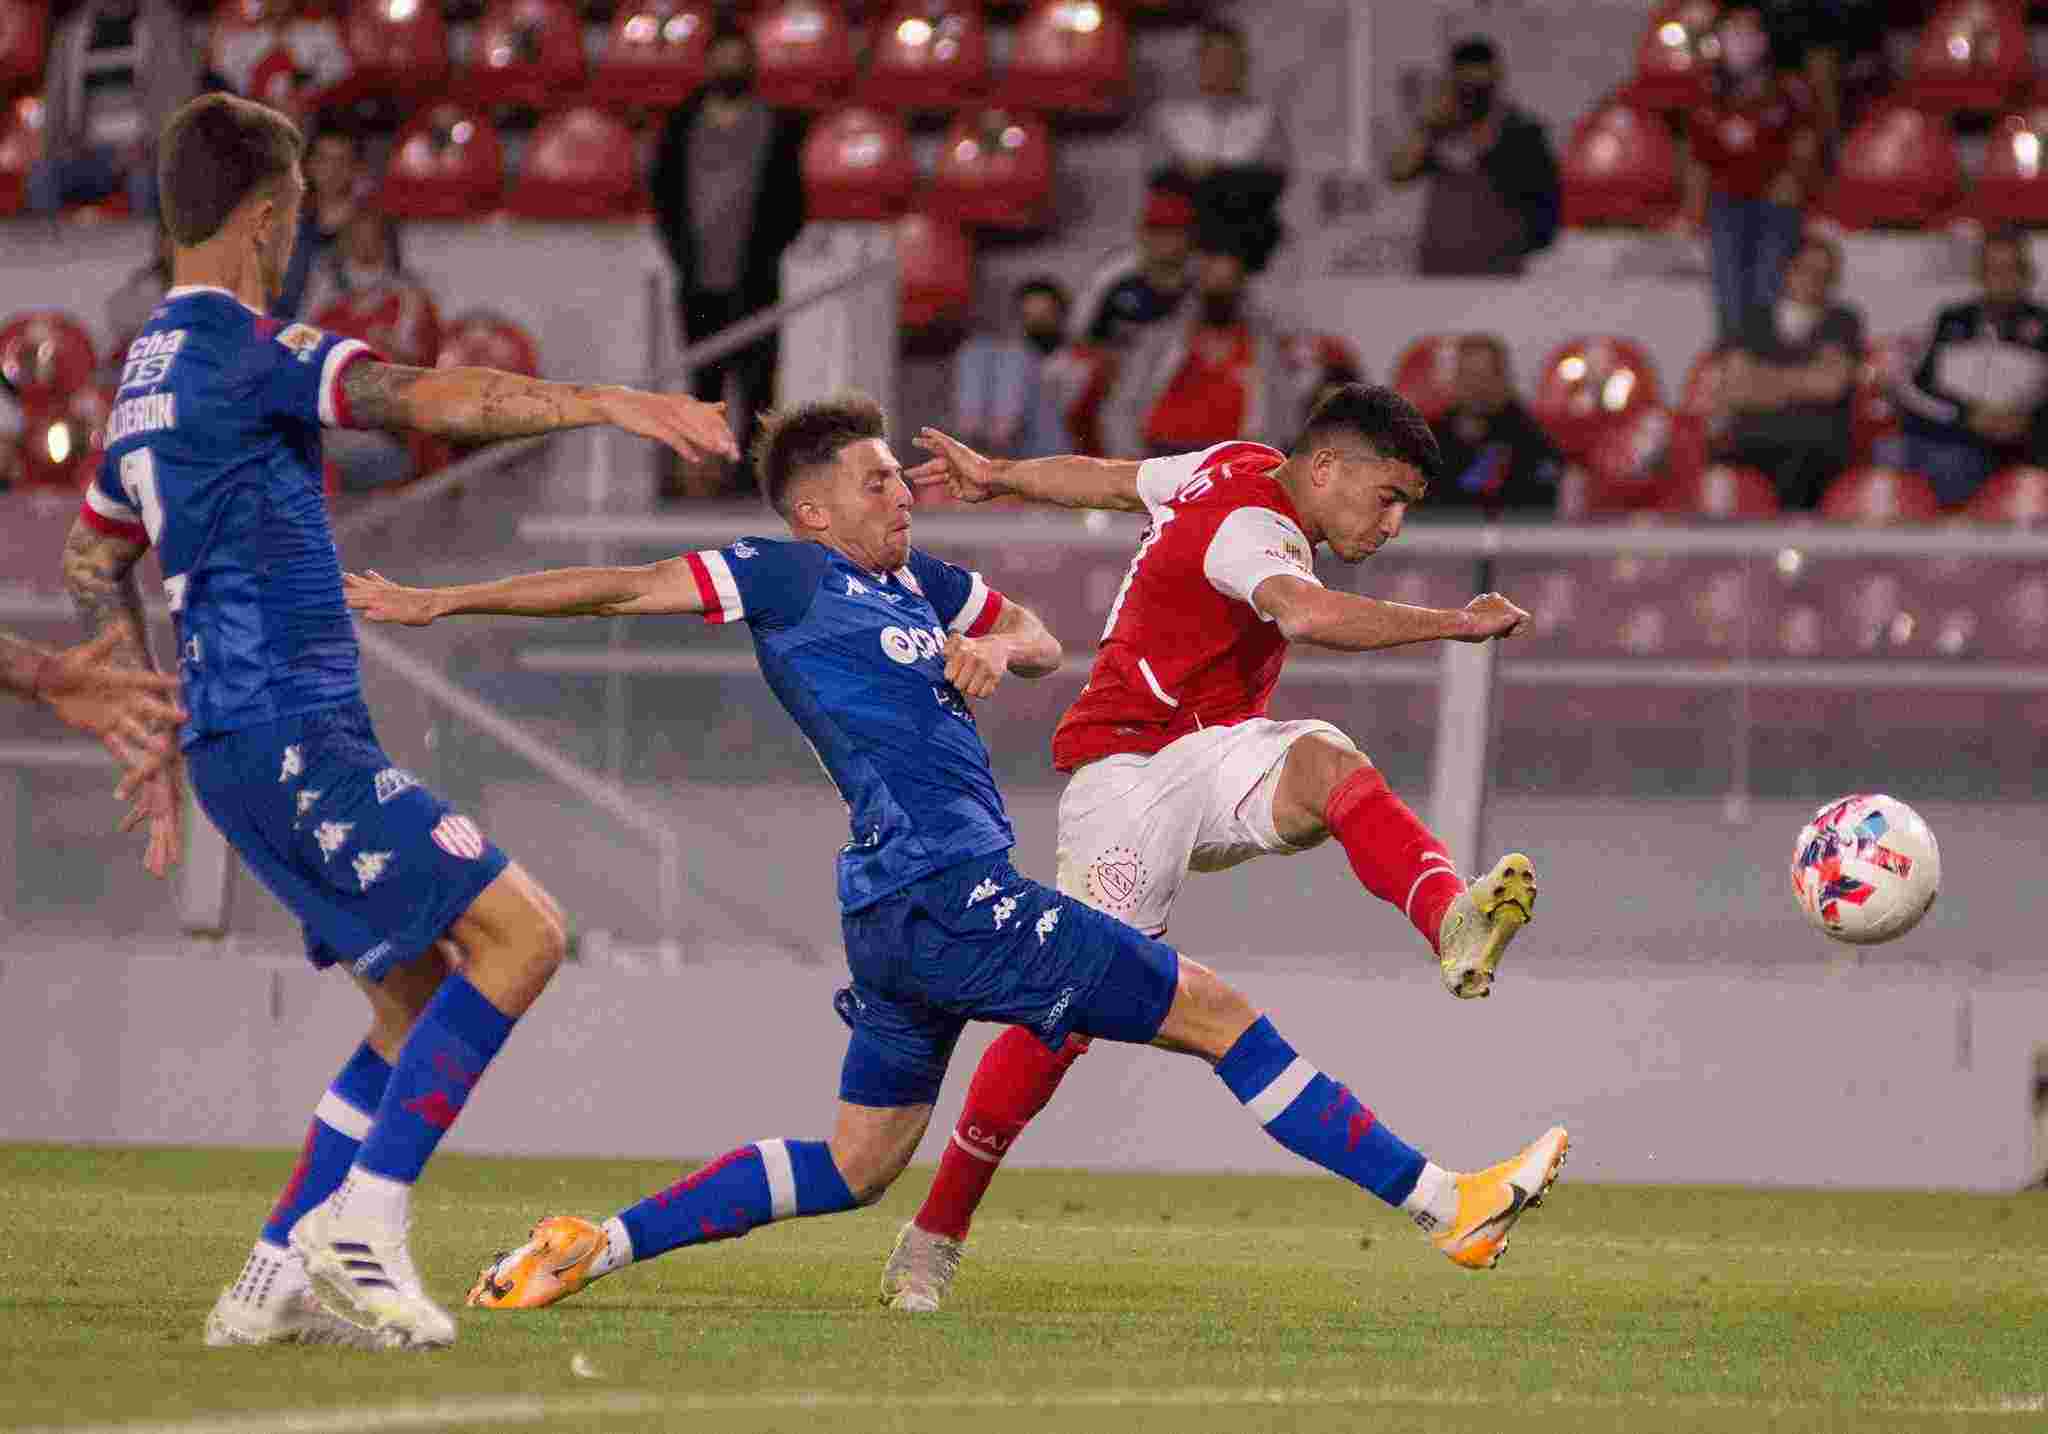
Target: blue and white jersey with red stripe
213,455
856,657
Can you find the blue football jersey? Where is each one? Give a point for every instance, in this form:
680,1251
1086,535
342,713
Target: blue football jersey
856,658
213,455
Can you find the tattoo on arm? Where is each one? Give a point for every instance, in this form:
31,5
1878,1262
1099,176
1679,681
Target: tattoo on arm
376,393
99,572
20,662
473,405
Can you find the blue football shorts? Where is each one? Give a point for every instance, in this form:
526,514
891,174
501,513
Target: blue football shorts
376,866
979,942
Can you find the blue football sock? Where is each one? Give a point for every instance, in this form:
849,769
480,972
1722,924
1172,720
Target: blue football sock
1315,1117
770,1180
450,1045
340,1122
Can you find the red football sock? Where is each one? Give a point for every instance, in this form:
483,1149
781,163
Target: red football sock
1015,1079
1397,858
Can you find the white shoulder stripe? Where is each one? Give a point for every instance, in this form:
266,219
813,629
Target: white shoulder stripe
781,1178
111,509
330,374
971,610
730,606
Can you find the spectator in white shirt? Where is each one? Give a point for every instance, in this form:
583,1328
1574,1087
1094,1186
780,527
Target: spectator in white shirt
1226,148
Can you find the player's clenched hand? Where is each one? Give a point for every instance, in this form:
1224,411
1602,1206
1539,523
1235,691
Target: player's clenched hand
132,710
976,665
1490,615
954,466
159,802
691,427
379,599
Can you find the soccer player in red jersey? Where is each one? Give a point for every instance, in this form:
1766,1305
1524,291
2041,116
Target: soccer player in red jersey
1175,765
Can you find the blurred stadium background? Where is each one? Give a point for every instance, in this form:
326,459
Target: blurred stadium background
1704,669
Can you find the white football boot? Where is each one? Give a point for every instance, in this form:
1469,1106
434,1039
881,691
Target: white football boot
1479,925
920,1270
270,1302
364,1274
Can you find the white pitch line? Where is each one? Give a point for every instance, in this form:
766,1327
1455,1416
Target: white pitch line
437,1415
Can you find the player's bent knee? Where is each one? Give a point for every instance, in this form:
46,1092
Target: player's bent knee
515,939
1317,765
872,1146
1208,1014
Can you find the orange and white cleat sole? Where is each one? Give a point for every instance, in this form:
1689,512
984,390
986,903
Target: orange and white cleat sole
552,1265
1493,1199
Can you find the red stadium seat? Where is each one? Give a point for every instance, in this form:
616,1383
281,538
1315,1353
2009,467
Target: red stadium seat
1626,465
485,339
2012,188
928,55
935,262
447,164
579,165
45,356
1898,169
400,48
654,58
399,320
1673,67
804,53
1972,55
1069,57
2018,496
1722,490
21,145
528,53
1699,412
61,441
1887,363
1879,495
1425,372
857,165
24,34
1589,383
995,172
1621,168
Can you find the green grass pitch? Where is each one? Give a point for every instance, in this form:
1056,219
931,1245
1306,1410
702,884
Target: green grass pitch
1088,1302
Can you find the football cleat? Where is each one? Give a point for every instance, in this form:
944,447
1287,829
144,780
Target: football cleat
552,1265
920,1270
296,1318
364,1274
1491,1201
1481,922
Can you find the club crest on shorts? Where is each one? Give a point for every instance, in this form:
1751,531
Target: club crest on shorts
459,837
1116,878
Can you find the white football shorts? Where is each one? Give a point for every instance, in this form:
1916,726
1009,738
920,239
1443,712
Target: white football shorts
1132,826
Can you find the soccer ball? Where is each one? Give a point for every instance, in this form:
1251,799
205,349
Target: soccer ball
1866,869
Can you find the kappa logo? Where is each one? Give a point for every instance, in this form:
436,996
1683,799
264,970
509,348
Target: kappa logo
392,781
1004,910
854,588
307,797
370,867
332,836
459,837
294,763
983,892
1059,1008
744,549
1047,922
369,959
301,339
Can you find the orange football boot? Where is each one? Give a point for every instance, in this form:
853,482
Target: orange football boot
1490,1201
552,1265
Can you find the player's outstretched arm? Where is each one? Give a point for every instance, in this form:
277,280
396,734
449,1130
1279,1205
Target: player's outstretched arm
130,710
1347,622
664,587
1070,481
477,405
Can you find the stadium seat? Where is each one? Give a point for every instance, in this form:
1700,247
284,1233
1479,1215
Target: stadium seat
21,145
486,339
995,172
1621,168
1721,490
1972,55
1886,364
928,55
804,54
1586,385
1898,169
857,165
400,49
24,34
1069,57
580,164
1874,494
654,57
1424,373
1693,425
1625,467
400,321
2017,496
528,53
45,356
61,440
935,262
1672,66
2012,187
447,164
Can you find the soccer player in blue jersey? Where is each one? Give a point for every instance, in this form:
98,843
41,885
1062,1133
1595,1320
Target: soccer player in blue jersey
213,457
875,649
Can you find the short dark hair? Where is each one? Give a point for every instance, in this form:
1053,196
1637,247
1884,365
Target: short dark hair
1474,50
1388,423
797,439
215,152
1041,284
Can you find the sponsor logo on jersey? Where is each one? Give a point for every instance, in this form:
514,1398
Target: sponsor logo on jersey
744,549
148,360
294,763
392,781
332,836
459,837
370,867
1047,922
301,339
908,645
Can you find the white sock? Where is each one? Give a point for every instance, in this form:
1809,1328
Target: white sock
1433,1203
269,1275
376,1199
617,1251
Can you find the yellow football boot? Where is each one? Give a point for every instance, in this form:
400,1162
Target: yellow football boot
1481,922
552,1265
1490,1201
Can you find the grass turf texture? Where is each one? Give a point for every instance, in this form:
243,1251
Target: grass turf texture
1130,1302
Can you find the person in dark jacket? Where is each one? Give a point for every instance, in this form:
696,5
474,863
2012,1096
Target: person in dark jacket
1979,398
728,192
1495,456
1494,192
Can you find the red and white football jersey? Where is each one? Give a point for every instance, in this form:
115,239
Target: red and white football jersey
1185,647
